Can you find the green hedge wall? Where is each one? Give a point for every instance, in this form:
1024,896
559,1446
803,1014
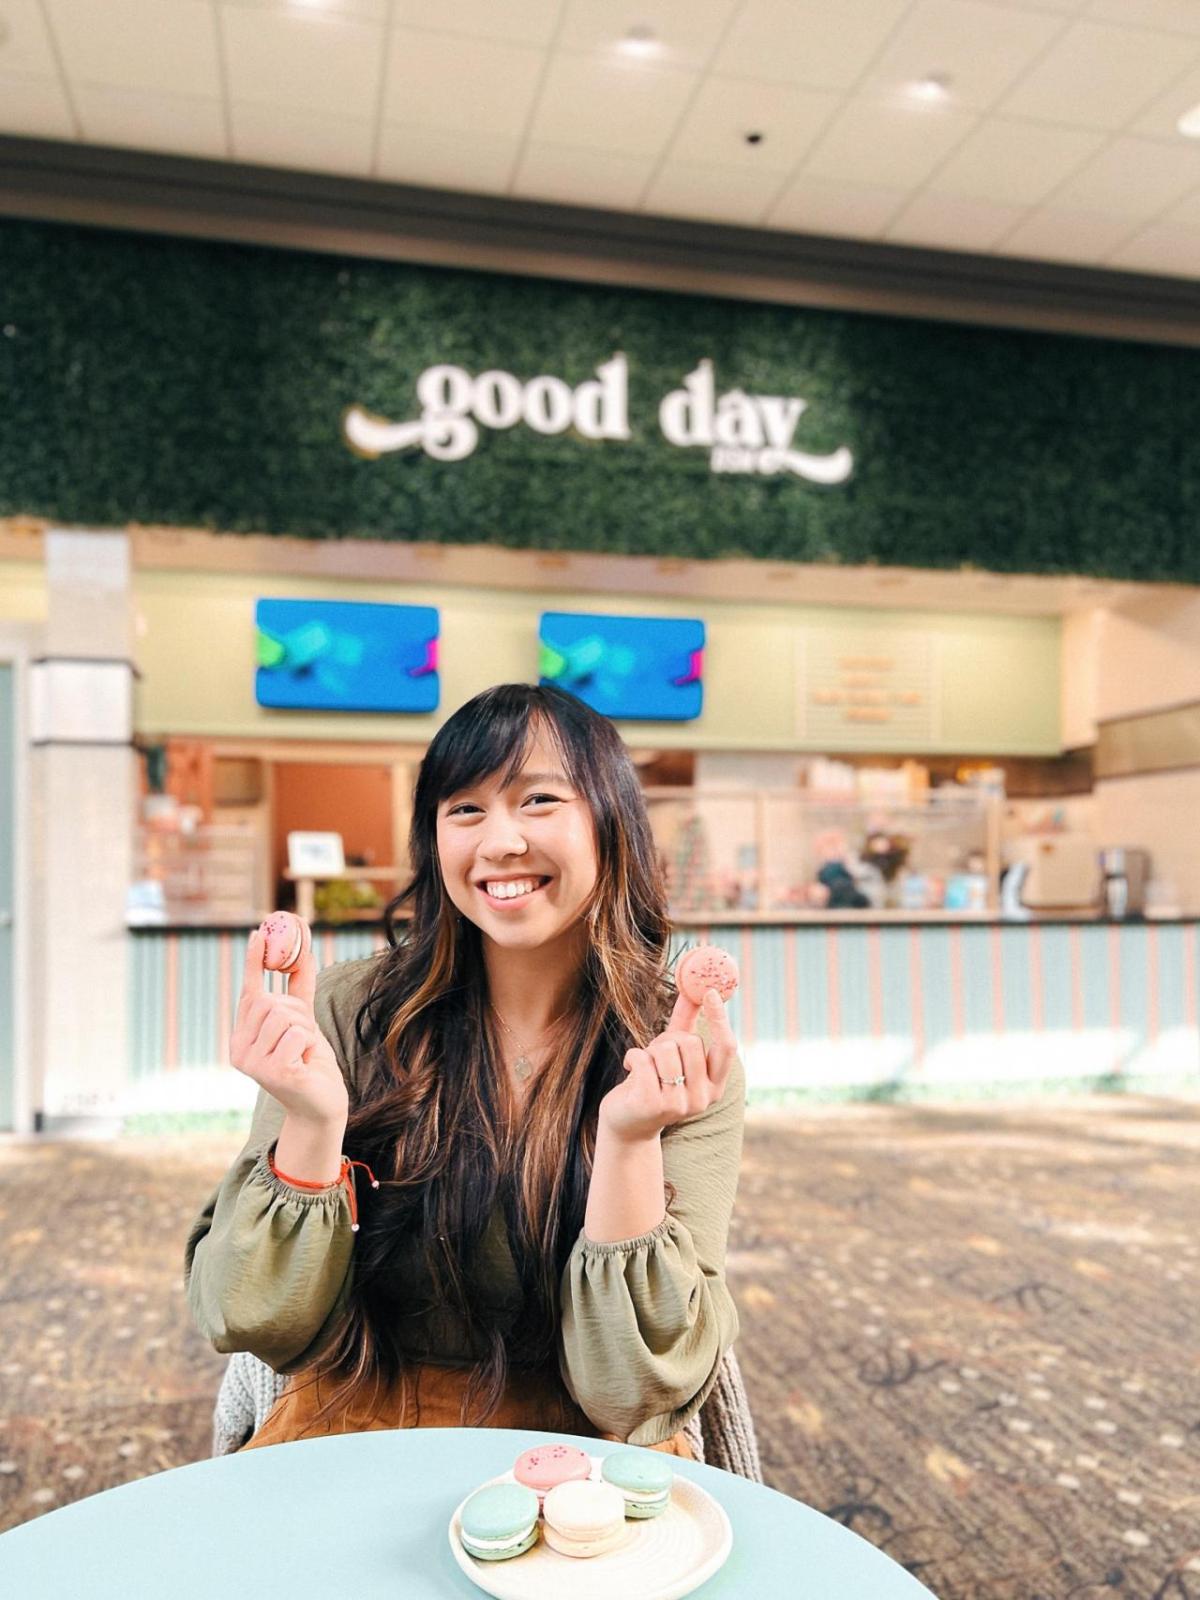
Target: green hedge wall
147,379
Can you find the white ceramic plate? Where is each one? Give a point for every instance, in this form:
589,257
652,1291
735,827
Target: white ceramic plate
664,1557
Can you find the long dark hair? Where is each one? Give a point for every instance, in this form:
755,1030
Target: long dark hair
427,1114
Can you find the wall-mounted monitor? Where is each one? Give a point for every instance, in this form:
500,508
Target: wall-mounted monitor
638,668
346,655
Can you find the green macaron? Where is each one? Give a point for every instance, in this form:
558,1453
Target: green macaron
644,1478
499,1522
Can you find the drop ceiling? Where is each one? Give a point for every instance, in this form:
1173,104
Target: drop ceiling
1053,139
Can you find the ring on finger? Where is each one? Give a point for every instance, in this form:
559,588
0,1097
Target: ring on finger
672,1083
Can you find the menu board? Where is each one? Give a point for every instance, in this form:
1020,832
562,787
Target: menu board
868,689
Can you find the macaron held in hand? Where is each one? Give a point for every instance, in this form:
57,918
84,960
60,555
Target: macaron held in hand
680,1073
286,939
276,1039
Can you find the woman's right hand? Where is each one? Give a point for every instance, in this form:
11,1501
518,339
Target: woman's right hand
276,1041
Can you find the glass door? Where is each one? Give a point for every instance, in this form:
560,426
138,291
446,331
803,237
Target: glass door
7,874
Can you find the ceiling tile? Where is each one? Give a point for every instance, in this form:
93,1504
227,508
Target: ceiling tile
1133,178
25,41
182,124
441,159
715,194
592,102
726,109
687,31
517,21
582,177
952,222
1057,233
815,205
34,108
825,44
437,80
1062,8
887,145
364,10
139,44
1159,119
981,48
309,141
1099,76
1172,16
1015,163
298,60
1166,247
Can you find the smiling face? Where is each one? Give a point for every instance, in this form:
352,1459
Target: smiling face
519,859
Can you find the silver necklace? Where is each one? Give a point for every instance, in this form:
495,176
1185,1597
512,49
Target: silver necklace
522,1066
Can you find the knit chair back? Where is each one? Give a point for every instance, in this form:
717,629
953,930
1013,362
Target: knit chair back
721,1434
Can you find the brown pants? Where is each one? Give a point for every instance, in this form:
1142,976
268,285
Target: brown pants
429,1397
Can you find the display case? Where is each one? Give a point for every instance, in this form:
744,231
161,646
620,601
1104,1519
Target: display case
778,851
198,875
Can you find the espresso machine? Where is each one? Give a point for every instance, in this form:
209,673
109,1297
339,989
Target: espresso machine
1126,873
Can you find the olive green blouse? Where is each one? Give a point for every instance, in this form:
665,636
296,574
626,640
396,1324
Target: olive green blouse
645,1321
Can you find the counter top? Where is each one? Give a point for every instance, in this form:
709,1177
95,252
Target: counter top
765,919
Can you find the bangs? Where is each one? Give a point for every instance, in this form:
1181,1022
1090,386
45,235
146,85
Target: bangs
491,734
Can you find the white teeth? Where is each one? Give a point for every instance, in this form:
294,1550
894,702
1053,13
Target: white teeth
511,891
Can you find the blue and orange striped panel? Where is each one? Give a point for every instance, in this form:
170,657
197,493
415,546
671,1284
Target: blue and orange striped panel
846,1010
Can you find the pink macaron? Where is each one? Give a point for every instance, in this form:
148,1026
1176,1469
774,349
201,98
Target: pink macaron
547,1465
286,940
704,968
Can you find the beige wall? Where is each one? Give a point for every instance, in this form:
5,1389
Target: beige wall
999,686
22,591
1081,636
1157,813
1149,654
1140,655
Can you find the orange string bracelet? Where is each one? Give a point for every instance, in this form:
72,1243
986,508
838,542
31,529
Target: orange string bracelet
346,1176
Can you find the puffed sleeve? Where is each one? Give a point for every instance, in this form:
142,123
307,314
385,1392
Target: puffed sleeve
646,1321
267,1266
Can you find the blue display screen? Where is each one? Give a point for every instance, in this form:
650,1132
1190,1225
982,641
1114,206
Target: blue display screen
639,668
346,655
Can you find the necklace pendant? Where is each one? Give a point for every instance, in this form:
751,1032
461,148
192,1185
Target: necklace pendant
522,1066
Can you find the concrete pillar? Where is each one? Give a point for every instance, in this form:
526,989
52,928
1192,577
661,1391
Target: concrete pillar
84,804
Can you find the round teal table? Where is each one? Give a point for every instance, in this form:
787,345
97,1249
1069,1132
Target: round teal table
363,1516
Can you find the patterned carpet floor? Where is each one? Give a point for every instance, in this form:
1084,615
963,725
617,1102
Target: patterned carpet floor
970,1334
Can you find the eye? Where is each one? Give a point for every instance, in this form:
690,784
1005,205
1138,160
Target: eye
464,806
536,799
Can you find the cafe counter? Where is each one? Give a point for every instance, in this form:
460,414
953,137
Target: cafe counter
878,1005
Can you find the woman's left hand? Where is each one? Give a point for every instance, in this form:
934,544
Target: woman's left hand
675,1077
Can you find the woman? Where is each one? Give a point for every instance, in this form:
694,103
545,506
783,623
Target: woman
553,1149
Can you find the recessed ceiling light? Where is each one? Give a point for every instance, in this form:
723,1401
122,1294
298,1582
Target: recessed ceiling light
931,90
1189,123
640,43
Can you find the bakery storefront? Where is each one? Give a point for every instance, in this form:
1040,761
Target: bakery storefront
898,623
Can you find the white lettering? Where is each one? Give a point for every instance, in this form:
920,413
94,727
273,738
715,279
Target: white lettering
738,421
780,417
496,399
686,415
602,403
445,396
749,433
547,405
